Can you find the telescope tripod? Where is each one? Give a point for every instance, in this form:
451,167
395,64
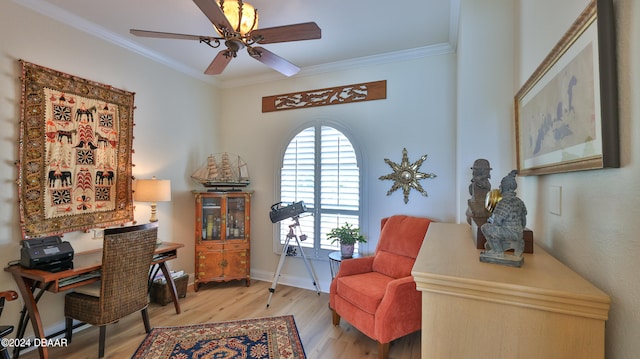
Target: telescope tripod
285,250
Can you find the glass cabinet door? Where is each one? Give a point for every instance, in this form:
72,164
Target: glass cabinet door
211,218
236,217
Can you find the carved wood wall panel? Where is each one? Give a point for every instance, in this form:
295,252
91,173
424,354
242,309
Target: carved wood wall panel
327,96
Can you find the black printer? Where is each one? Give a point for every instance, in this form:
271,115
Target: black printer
47,253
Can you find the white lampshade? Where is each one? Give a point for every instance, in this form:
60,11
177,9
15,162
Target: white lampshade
152,190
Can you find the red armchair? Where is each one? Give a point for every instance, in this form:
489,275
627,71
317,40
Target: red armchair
377,294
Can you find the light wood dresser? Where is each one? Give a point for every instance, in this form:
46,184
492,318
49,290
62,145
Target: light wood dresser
472,309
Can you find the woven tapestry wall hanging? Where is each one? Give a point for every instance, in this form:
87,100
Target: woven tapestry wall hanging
75,153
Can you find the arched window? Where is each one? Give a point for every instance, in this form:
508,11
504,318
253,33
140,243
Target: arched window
320,167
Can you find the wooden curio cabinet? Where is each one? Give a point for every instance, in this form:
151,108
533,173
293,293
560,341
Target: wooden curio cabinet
223,243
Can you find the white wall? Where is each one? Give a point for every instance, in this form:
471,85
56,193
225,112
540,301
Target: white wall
485,75
175,128
419,114
596,233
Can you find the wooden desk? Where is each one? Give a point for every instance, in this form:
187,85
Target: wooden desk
28,280
472,309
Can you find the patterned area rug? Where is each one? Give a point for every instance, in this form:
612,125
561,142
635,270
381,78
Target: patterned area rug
263,338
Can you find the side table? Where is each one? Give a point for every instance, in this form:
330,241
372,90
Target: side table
335,258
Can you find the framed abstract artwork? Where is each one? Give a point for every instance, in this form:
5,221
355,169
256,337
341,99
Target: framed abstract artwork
74,153
567,111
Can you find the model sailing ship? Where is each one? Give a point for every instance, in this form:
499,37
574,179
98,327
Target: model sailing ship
223,171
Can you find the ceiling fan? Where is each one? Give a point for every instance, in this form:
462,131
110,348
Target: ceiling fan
242,33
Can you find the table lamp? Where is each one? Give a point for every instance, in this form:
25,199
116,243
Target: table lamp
152,190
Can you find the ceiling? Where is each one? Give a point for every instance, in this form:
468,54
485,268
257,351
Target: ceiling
354,32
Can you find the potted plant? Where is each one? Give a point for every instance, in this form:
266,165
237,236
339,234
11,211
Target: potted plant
347,236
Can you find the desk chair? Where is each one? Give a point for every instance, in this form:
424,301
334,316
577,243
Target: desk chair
122,289
5,329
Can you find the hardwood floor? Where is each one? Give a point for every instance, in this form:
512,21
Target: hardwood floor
233,300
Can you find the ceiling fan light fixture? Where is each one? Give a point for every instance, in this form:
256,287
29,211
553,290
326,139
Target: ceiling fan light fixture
237,24
242,16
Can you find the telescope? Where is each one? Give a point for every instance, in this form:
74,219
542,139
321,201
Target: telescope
281,212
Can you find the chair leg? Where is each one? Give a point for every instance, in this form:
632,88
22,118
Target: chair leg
383,350
4,352
145,319
103,334
68,328
335,317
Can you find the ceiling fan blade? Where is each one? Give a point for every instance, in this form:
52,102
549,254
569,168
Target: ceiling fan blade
168,35
295,32
219,63
212,11
274,61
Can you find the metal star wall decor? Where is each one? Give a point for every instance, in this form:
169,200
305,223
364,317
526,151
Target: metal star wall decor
406,176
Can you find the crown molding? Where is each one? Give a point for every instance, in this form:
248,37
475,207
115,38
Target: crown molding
454,24
433,50
356,63
47,9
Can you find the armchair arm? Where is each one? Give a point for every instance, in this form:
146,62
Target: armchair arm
349,267
9,295
355,266
400,311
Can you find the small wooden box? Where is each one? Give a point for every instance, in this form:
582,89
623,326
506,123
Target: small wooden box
160,291
479,240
